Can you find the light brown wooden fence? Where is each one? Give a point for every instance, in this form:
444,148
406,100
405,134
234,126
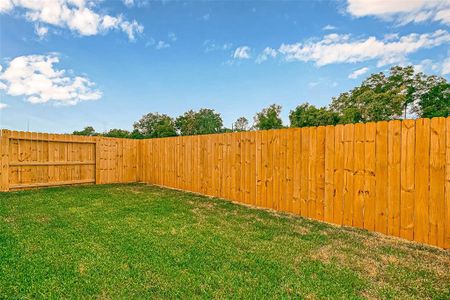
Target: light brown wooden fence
390,177
37,159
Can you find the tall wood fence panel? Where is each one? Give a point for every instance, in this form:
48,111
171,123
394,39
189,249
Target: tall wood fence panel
38,159
389,177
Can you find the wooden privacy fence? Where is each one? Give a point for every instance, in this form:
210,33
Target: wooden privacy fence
39,159
390,177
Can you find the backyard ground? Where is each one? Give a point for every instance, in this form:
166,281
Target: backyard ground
141,241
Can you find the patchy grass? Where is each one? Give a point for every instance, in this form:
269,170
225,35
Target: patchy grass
138,241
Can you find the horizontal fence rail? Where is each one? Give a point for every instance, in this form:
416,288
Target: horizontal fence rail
388,177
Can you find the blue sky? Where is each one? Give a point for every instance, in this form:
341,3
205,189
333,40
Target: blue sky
67,64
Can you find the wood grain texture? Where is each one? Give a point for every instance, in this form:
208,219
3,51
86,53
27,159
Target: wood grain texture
422,181
39,159
407,180
394,160
447,186
381,178
437,182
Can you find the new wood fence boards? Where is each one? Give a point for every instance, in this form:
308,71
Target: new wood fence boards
31,159
390,177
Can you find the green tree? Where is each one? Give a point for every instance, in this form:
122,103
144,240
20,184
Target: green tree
204,121
309,115
269,118
386,97
117,133
155,125
87,131
226,130
135,134
436,103
241,124
413,85
364,104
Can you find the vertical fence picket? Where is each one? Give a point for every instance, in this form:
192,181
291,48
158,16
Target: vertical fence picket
369,177
304,177
312,171
358,181
348,164
422,180
264,167
290,171
447,186
394,160
437,182
381,171
407,180
329,174
338,175
4,159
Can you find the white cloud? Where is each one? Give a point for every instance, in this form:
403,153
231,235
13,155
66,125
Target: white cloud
211,45
446,66
41,31
206,17
6,5
131,29
77,15
110,22
443,16
390,36
138,3
3,105
172,37
402,12
313,84
336,48
35,78
162,45
242,52
128,3
355,74
426,65
266,54
329,27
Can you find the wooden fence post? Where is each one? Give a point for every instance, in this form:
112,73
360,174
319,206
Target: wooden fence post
140,144
4,159
97,160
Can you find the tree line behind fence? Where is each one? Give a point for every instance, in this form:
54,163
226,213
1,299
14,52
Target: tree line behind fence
389,177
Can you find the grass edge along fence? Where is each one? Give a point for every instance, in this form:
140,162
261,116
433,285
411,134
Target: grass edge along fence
391,177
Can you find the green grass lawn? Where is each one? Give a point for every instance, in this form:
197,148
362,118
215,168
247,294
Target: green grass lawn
139,241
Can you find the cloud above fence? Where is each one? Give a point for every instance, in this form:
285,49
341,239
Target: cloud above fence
35,78
344,48
355,74
402,12
77,15
242,53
